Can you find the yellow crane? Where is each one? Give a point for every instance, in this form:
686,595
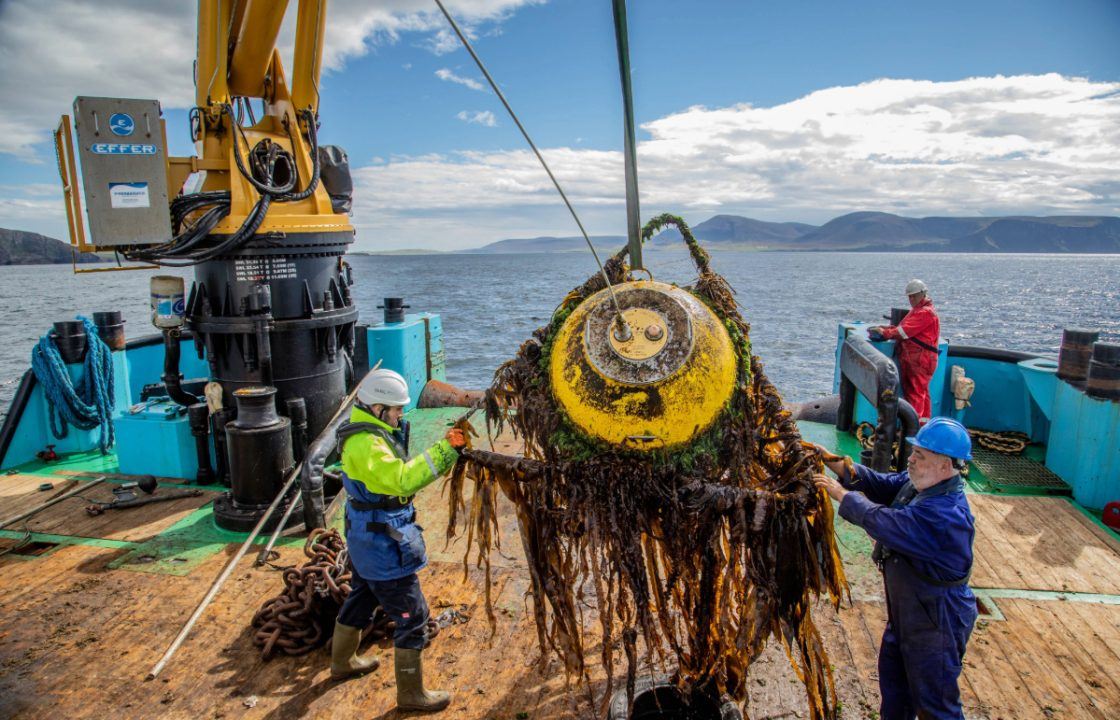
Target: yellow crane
237,63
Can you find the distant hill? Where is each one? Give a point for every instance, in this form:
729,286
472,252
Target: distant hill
871,231
1048,235
18,247
733,229
609,243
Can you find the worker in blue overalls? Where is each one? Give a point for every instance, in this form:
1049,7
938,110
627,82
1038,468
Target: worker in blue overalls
923,531
385,542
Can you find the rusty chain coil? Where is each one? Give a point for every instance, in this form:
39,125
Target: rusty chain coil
292,622
296,621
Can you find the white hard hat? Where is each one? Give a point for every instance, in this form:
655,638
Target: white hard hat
915,286
384,387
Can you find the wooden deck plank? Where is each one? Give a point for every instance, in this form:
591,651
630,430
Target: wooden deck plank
1041,543
1045,661
20,493
1079,653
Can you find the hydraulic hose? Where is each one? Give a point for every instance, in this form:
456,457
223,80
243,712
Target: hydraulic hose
172,378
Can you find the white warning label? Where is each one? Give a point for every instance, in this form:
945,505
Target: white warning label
264,268
128,195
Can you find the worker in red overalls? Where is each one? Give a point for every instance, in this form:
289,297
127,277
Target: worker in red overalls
917,336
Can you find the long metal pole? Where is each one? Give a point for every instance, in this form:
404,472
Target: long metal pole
158,667
633,214
39,508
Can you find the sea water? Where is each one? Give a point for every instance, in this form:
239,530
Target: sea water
491,303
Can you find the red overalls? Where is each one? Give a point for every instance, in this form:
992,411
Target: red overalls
921,326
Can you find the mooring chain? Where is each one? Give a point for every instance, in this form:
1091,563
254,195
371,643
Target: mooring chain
1008,442
292,622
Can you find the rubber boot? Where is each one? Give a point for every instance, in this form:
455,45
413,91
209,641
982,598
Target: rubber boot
345,660
411,694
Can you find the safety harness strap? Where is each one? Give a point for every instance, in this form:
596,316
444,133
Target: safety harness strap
353,428
922,344
387,503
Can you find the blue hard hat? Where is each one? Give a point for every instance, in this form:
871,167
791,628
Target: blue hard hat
944,436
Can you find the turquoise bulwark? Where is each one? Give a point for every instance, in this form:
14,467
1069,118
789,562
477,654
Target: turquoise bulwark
141,362
1078,435
1084,445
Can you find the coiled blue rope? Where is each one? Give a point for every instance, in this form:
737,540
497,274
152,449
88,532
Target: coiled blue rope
87,405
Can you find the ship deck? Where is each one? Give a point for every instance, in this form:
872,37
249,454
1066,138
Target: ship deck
92,603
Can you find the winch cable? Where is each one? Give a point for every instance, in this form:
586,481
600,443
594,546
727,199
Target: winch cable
556,183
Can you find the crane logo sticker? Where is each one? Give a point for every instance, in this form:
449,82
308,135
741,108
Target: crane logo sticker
129,195
122,124
122,149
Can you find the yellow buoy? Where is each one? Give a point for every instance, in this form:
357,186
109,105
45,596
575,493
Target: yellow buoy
658,386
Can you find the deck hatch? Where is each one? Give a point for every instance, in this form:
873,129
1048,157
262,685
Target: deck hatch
1015,472
35,548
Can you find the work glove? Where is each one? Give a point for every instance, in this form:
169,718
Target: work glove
456,437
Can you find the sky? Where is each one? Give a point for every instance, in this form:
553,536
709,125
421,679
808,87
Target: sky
781,111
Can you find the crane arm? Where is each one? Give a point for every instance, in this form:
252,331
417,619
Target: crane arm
237,51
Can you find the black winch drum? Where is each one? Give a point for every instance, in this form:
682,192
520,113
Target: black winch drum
110,328
70,339
259,447
394,308
1104,372
1077,348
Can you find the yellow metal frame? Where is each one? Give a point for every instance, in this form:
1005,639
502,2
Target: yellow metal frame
237,57
71,198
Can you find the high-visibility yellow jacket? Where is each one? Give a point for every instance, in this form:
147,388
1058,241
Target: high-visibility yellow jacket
386,544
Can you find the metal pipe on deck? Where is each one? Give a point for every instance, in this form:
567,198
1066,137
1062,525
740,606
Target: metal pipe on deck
39,508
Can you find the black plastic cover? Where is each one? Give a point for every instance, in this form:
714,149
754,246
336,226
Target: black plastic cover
334,171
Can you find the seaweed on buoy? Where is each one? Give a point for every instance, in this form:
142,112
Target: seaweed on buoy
700,551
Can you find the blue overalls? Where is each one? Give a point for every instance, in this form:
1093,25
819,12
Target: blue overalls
923,544
386,550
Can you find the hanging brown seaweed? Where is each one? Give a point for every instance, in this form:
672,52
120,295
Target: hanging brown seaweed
704,553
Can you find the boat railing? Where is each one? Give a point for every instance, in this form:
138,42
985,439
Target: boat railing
865,370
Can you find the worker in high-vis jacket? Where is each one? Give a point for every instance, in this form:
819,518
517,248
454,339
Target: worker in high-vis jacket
917,335
923,531
385,542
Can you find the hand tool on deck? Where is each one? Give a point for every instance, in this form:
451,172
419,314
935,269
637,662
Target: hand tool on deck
126,498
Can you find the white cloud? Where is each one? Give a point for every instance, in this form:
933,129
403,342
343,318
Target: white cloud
448,76
1042,144
53,50
477,117
18,210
